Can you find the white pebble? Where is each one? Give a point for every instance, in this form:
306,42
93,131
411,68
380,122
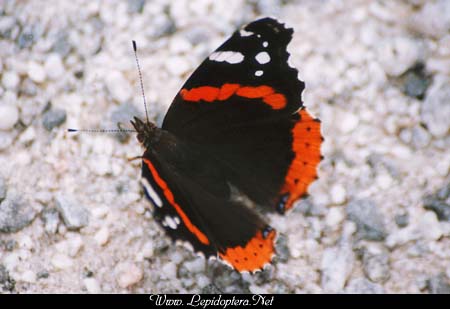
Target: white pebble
36,72
177,66
348,122
148,250
398,54
102,236
61,261
75,244
10,80
384,181
338,194
429,226
334,217
92,285
119,87
128,274
54,66
9,115
28,276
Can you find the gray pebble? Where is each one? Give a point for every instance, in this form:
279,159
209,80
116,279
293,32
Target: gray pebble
28,88
61,44
435,111
282,249
51,220
75,216
416,82
363,286
8,245
439,203
136,6
3,188
123,114
420,137
27,37
6,282
53,118
376,266
43,274
438,284
368,219
15,214
211,289
402,220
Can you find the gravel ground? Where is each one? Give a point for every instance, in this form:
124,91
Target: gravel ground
73,217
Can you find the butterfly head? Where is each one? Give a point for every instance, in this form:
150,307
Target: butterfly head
147,132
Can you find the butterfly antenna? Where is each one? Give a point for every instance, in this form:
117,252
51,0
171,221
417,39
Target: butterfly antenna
140,79
100,130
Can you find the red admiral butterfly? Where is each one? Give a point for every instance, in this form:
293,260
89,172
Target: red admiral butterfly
238,122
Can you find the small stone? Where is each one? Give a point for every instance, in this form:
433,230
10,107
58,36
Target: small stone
420,137
102,236
338,194
128,274
54,66
435,113
376,266
368,219
136,6
53,118
363,286
402,220
438,284
433,19
9,115
122,115
416,82
62,44
398,54
6,140
10,80
439,203
348,122
50,217
92,285
282,249
36,72
334,217
7,25
29,35
429,226
337,264
28,276
28,88
43,274
3,188
61,261
177,66
74,245
15,214
118,86
75,216
211,289
6,282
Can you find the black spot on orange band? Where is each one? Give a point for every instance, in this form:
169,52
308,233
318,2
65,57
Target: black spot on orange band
255,254
307,140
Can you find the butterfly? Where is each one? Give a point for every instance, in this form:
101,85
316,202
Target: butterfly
237,125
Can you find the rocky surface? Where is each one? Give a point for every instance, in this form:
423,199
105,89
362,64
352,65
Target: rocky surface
73,217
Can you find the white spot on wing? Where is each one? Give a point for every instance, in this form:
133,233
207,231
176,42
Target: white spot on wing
151,193
259,73
265,44
227,56
245,33
262,57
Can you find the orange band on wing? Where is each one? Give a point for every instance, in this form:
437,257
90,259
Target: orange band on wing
210,94
169,196
303,169
254,255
